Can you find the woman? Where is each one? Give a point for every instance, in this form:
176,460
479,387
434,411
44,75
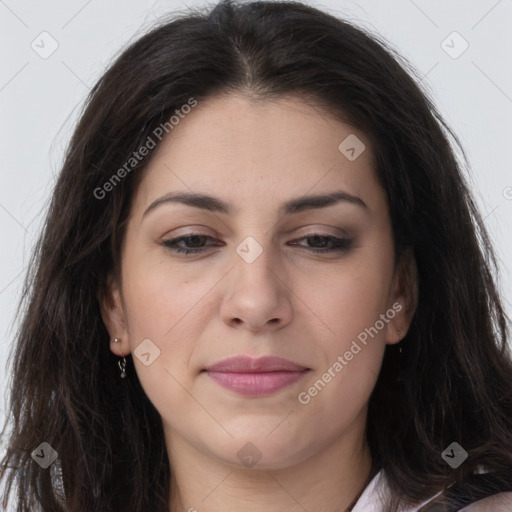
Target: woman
262,283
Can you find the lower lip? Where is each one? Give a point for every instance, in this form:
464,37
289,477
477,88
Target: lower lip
256,384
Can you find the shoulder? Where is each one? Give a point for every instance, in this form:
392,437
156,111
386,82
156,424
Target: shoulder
501,502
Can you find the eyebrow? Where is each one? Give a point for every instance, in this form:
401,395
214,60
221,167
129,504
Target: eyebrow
292,206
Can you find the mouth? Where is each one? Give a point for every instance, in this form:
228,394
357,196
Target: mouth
256,377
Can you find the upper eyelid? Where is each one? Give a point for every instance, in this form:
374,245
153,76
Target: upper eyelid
207,231
342,235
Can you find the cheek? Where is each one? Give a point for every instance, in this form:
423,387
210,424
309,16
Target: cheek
161,308
351,297
340,388
350,305
340,397
159,313
157,295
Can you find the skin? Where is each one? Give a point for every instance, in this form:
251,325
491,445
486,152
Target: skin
199,309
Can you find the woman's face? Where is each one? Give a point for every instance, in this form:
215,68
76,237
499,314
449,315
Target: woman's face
259,284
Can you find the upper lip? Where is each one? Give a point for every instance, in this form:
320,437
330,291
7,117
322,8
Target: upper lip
247,364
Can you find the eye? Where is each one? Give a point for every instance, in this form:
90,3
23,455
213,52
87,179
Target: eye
194,243
195,239
337,244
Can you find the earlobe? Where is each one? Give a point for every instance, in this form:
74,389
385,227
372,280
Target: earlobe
404,298
113,315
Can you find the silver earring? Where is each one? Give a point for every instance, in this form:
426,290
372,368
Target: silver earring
117,340
122,367
398,332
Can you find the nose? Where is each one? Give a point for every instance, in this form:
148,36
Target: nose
257,294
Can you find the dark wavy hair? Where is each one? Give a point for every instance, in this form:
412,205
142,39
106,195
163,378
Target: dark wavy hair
451,382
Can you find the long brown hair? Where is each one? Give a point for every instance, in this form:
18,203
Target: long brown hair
451,382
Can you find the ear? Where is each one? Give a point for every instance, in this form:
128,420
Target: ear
403,298
113,315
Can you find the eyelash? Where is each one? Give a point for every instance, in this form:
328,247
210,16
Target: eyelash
340,244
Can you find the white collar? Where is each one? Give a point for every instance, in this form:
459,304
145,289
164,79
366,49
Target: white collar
374,496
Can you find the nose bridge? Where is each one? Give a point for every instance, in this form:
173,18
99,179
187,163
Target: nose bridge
256,294
256,260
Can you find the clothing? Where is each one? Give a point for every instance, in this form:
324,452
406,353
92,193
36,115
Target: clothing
373,497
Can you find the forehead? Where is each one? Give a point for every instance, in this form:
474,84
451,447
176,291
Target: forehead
256,150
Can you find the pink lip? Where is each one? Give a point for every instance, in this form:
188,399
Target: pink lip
255,377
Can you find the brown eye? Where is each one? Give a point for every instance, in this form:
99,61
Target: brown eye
194,243
336,244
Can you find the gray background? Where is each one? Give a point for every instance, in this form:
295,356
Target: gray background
40,99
